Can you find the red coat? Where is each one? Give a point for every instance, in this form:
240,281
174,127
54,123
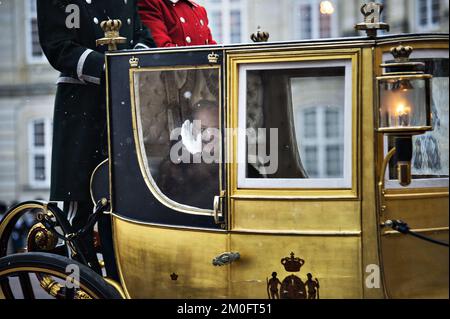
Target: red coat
183,23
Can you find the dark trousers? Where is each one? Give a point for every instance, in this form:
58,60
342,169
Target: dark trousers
78,214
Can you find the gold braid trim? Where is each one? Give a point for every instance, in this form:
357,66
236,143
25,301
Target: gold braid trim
55,289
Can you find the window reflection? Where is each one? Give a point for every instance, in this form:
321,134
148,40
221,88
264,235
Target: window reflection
178,115
306,106
431,150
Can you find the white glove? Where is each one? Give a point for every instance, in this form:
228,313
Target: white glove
193,144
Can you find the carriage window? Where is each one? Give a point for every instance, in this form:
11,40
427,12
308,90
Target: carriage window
430,151
298,125
178,122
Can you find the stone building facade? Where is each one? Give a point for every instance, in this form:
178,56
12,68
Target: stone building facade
27,80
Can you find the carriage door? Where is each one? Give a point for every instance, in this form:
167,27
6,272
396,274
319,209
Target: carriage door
178,110
294,207
167,172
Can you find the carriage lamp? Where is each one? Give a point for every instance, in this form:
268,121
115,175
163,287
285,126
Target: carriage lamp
404,97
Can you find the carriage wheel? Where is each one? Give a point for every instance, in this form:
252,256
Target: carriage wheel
52,275
39,239
14,214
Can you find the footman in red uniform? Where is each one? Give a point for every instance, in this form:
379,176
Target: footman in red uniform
176,22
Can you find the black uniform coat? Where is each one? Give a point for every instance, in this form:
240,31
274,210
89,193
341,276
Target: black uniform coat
79,124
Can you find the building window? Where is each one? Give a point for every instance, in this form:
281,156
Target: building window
39,143
306,21
384,14
235,26
322,141
315,19
428,14
325,26
226,20
34,50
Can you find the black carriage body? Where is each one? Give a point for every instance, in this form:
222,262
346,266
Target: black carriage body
130,195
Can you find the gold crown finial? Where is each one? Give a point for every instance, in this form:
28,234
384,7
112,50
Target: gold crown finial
260,36
401,53
111,25
402,62
112,34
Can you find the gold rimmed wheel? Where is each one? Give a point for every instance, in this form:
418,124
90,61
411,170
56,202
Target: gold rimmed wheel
48,275
42,269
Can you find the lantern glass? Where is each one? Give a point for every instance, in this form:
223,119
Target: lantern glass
405,104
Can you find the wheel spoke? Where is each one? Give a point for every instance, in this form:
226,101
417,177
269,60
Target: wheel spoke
69,293
5,287
50,272
25,284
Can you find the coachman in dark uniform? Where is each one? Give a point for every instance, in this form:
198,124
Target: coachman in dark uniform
79,134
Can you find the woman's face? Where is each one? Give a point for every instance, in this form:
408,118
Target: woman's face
208,116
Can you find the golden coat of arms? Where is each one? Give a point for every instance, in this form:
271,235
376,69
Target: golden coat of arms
293,287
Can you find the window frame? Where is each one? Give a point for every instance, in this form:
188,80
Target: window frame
315,20
426,183
29,17
321,141
430,25
347,182
140,145
34,150
225,7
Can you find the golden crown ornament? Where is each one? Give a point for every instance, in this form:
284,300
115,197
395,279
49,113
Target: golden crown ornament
112,35
260,36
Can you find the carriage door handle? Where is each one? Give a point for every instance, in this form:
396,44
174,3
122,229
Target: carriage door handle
225,259
218,208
